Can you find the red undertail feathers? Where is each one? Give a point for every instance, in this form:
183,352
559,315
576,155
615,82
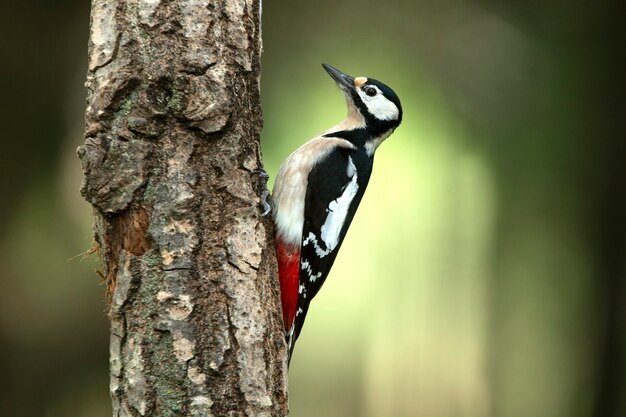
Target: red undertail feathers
288,272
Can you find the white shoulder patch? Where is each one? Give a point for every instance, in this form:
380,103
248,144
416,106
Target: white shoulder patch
351,169
338,210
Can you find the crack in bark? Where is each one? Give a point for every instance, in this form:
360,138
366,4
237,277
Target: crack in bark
175,269
113,57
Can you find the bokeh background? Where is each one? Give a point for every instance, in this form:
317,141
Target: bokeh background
484,273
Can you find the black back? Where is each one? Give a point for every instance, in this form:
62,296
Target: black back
326,182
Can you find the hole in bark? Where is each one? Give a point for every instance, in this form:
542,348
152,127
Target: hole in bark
136,227
128,231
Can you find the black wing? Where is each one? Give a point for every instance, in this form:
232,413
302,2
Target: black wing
336,183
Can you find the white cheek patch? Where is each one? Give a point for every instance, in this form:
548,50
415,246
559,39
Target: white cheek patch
379,106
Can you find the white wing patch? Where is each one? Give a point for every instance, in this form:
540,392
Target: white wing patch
338,210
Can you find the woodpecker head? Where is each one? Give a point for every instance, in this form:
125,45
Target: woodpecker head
371,104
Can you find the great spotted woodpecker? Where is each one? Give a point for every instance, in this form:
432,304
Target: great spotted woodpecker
318,189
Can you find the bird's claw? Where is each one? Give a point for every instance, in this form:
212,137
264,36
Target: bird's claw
267,207
262,173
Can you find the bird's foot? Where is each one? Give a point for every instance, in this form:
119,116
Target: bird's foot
267,206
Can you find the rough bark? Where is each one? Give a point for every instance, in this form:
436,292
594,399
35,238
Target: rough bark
172,145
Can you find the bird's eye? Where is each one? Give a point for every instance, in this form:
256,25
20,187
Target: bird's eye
370,91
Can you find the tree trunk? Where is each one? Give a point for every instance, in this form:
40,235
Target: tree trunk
170,159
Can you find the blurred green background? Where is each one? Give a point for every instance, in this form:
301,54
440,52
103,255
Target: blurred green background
483,275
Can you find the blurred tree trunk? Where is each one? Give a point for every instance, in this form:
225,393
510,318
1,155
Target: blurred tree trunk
172,145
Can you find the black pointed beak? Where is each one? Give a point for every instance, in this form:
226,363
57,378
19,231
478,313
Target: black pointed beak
344,81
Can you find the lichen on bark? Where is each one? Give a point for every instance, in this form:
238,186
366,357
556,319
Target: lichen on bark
170,158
